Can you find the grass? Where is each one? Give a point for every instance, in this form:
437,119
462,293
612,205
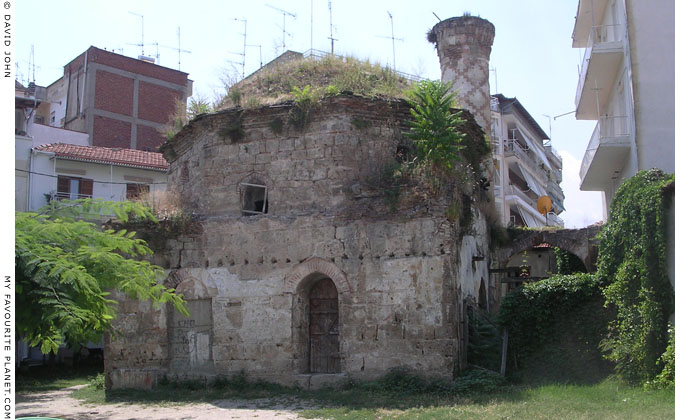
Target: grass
606,400
326,76
406,397
47,378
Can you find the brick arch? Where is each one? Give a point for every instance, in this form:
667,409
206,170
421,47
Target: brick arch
579,242
317,265
255,176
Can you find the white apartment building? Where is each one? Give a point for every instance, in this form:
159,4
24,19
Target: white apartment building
526,166
626,83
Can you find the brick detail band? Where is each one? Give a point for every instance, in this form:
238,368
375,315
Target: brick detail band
317,265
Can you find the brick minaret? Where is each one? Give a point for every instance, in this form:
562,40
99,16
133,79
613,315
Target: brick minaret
464,46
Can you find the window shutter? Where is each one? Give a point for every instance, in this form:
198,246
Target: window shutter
63,185
85,188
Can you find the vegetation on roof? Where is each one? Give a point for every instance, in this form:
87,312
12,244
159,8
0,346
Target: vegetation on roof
327,76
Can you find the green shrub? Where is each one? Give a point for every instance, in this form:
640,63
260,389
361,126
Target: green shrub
97,382
434,128
554,327
667,377
632,267
478,381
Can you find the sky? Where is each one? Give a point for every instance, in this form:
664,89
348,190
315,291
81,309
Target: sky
532,55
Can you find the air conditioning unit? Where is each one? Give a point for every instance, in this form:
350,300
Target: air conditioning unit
147,59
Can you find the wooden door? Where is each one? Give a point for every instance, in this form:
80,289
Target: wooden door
324,351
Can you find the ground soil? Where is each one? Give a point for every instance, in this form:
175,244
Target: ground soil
61,405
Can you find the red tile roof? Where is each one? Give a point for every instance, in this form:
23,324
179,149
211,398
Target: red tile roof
543,245
106,155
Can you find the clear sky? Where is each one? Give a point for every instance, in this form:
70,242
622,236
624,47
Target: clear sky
532,51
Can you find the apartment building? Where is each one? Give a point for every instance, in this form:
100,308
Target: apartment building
119,101
526,166
626,84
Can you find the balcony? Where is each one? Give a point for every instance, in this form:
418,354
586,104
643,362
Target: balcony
598,70
514,148
554,157
606,153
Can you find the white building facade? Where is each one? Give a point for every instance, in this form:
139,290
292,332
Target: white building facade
626,84
67,171
526,166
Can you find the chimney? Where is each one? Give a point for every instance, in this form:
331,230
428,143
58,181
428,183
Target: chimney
464,46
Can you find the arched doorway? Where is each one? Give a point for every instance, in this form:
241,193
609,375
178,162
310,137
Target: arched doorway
324,345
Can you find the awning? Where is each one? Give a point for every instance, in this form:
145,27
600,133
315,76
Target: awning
532,182
530,220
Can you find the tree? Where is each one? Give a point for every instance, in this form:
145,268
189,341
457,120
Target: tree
65,266
434,128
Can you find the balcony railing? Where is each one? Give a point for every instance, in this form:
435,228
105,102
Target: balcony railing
553,153
597,35
523,195
555,220
606,130
522,152
67,196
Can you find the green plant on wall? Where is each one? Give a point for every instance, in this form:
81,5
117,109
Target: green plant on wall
632,266
434,128
568,263
305,101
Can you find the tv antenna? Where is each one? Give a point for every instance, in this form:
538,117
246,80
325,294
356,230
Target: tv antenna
32,65
330,15
244,45
178,49
493,69
284,12
158,56
392,37
549,117
142,30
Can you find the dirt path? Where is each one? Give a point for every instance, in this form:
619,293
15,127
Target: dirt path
60,404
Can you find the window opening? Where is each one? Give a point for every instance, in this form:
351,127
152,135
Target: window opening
135,191
255,200
71,188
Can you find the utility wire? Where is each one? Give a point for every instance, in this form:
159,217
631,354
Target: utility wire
100,182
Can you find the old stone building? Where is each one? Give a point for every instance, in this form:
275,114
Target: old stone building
302,263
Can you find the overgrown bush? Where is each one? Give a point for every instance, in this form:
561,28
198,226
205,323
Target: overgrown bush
97,382
555,325
434,128
632,267
484,343
478,381
567,262
667,377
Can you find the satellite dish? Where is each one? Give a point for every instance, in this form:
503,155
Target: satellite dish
544,204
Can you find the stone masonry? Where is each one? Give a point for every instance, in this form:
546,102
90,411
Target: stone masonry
304,264
400,273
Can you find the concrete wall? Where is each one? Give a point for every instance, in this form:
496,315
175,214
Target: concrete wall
400,271
44,134
651,31
22,155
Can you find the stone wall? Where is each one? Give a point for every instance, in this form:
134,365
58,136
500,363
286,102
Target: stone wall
399,268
